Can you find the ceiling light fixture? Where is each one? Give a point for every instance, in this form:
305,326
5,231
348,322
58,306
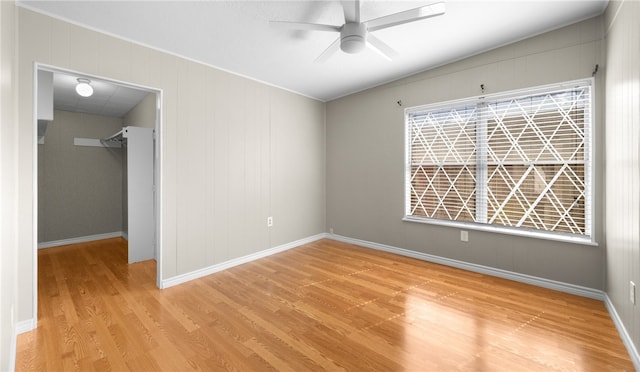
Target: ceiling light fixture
83,88
353,37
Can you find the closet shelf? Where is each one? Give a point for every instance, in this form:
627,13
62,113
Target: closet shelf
92,142
115,140
117,137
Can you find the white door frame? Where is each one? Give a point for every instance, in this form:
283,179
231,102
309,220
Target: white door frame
157,171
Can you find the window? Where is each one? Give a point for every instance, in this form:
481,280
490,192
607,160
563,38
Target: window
515,160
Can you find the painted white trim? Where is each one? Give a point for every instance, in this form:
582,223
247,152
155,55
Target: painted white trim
68,71
480,102
34,196
81,239
26,326
613,19
518,231
624,335
179,279
505,274
94,142
13,349
158,189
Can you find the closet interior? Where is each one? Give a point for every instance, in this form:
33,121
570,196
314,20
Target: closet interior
96,164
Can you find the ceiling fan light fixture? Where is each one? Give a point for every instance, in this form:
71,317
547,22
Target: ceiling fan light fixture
84,88
356,35
352,44
353,37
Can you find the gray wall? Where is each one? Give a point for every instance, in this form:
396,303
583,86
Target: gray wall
8,189
143,115
234,151
623,161
79,188
365,156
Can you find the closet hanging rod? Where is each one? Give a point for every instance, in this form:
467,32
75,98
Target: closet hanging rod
117,137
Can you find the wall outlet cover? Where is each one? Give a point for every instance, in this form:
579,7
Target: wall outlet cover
464,236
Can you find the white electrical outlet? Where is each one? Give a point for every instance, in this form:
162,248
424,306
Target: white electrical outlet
632,292
464,236
269,221
331,230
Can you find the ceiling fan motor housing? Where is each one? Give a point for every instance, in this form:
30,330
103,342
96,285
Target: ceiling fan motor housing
353,37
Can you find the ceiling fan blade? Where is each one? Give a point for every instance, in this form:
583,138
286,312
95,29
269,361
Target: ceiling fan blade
381,47
331,50
351,11
406,16
303,26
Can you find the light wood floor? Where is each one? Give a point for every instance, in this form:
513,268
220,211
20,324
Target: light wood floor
323,306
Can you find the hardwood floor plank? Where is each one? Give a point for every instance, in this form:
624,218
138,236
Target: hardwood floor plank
322,306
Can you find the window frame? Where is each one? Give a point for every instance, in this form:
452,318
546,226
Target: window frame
476,101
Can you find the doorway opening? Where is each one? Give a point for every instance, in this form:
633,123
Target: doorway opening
96,164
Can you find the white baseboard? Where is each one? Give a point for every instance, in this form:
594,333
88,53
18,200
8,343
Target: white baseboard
523,278
81,239
179,279
528,279
624,335
20,328
26,326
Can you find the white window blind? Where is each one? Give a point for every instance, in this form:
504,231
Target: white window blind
513,160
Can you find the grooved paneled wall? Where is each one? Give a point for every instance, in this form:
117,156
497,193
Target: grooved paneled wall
623,161
234,151
8,187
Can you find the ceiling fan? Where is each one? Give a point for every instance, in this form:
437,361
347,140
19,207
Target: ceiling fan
355,35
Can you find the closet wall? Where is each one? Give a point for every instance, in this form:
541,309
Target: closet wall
143,115
79,188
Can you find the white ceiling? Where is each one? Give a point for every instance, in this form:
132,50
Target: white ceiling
236,36
108,99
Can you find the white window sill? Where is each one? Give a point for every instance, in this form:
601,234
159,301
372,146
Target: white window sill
529,233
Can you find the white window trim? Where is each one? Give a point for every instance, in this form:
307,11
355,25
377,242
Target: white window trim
518,231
